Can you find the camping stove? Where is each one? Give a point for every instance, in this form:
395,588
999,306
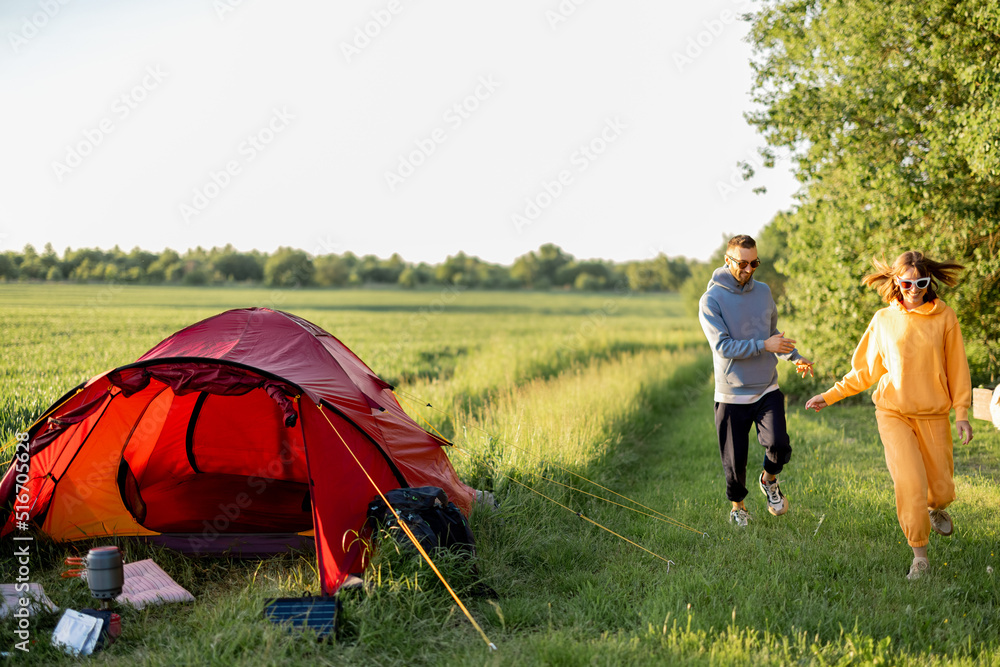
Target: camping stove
105,576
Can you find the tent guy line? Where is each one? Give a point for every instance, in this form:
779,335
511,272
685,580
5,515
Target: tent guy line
659,515
587,518
668,520
576,512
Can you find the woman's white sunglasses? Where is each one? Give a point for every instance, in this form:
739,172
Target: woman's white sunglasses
919,283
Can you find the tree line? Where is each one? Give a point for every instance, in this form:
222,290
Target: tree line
545,268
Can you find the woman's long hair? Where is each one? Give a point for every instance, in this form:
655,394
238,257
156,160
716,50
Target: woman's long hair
881,280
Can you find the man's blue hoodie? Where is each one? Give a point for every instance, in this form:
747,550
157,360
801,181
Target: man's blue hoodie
737,320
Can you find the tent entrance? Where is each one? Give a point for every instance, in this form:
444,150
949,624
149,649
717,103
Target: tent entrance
212,464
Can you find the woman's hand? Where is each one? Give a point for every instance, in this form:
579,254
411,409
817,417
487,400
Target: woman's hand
803,366
817,403
964,431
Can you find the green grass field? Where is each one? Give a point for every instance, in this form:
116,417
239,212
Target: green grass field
615,388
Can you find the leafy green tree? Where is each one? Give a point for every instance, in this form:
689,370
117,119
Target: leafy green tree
588,275
640,277
8,269
449,271
174,273
409,278
526,270
31,266
694,287
289,267
587,281
371,269
541,268
50,260
423,272
81,271
137,264
890,113
660,274
332,270
772,250
195,274
469,271
74,259
166,267
238,266
391,269
551,259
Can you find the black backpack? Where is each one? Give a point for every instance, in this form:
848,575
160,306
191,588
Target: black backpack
434,521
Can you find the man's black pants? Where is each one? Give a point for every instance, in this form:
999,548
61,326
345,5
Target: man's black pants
733,422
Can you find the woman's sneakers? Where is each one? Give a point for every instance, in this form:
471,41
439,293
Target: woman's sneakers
941,522
918,567
777,504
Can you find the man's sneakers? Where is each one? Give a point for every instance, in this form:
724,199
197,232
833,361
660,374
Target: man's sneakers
941,522
739,517
918,568
777,504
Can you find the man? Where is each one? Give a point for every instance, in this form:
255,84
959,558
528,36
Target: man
740,321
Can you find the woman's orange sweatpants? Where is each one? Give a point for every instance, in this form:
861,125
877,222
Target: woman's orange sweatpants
918,454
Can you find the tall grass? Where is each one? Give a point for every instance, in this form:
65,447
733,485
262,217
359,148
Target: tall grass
571,420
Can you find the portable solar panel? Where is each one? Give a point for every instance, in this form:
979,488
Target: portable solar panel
319,613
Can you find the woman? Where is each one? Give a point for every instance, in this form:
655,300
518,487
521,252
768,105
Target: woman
913,349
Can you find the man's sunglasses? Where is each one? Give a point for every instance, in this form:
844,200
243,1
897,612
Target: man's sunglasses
742,263
919,283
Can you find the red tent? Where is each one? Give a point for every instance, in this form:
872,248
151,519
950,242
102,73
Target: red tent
240,431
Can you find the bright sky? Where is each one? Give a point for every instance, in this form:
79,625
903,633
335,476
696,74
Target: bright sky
611,129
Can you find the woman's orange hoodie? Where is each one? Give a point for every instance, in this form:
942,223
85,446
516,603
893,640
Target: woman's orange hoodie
918,359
